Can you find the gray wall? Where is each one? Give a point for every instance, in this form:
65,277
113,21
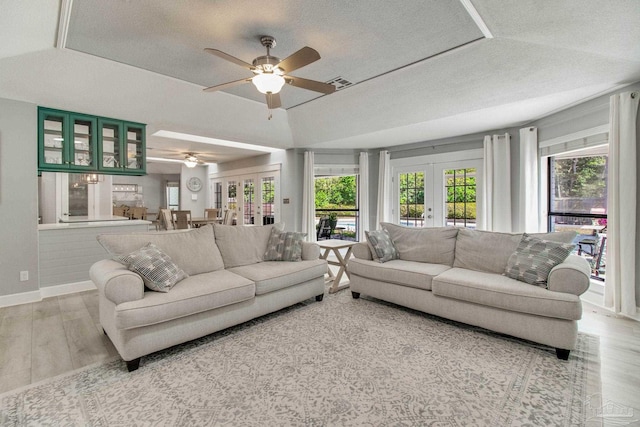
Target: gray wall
18,196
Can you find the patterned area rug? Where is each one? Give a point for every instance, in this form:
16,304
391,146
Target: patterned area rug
337,362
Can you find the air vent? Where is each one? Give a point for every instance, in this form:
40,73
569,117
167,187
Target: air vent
340,82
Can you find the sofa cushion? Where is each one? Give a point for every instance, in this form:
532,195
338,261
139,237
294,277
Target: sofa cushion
194,250
434,245
381,245
284,246
407,273
499,291
270,276
158,272
472,247
243,245
192,295
534,258
484,250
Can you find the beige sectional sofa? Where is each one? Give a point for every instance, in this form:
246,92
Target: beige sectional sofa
458,274
228,283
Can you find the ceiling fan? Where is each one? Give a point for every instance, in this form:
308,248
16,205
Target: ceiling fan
271,73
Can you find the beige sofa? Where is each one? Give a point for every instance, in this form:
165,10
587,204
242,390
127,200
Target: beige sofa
458,274
228,283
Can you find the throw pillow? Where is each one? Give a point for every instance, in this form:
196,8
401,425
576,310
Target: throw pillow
158,272
534,258
381,245
284,246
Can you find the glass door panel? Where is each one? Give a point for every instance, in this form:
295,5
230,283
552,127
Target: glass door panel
412,198
267,207
247,212
232,203
134,150
110,154
460,194
217,197
53,128
83,142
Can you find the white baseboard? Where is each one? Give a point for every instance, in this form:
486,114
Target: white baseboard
68,288
21,298
47,292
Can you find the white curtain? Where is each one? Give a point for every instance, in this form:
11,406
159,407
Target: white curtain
363,195
384,189
529,212
308,198
496,206
620,294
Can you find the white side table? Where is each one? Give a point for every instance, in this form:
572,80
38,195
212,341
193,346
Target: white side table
335,245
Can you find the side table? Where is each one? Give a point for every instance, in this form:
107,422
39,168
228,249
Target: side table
335,245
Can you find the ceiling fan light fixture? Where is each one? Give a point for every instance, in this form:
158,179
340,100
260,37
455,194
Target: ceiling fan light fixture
268,82
191,161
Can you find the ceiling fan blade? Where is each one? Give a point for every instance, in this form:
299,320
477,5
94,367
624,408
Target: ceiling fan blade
221,54
310,84
273,100
226,85
299,59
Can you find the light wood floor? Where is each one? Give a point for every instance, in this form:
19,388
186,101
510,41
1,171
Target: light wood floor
60,334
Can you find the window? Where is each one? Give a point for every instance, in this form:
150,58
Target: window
578,202
338,196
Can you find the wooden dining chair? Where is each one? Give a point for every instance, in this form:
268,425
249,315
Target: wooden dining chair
182,220
119,211
139,213
165,219
229,216
211,213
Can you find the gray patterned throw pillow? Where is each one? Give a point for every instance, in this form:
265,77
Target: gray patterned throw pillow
534,258
158,271
284,246
381,245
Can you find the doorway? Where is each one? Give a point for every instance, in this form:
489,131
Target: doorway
437,194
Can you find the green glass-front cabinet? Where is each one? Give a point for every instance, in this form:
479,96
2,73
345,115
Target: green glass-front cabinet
66,141
121,147
77,142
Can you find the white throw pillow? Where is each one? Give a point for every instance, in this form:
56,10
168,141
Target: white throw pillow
158,272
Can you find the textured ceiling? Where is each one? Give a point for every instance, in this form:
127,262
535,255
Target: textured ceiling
356,40
143,60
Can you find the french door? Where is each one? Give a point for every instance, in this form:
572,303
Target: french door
254,197
437,194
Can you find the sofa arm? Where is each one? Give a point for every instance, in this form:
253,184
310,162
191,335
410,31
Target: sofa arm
310,251
572,276
116,282
361,250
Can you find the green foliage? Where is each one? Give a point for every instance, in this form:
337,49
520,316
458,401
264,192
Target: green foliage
461,210
583,177
336,192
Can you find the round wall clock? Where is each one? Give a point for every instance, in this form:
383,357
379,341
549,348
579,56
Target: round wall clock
194,184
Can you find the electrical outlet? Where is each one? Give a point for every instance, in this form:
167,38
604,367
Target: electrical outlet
24,276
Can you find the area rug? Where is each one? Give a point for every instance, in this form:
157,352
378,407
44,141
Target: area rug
339,362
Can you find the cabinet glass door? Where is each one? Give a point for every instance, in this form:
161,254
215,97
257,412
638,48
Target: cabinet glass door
52,139
82,144
110,145
134,150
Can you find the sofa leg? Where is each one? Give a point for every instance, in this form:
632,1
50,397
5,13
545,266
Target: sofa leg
319,297
355,295
562,353
134,364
